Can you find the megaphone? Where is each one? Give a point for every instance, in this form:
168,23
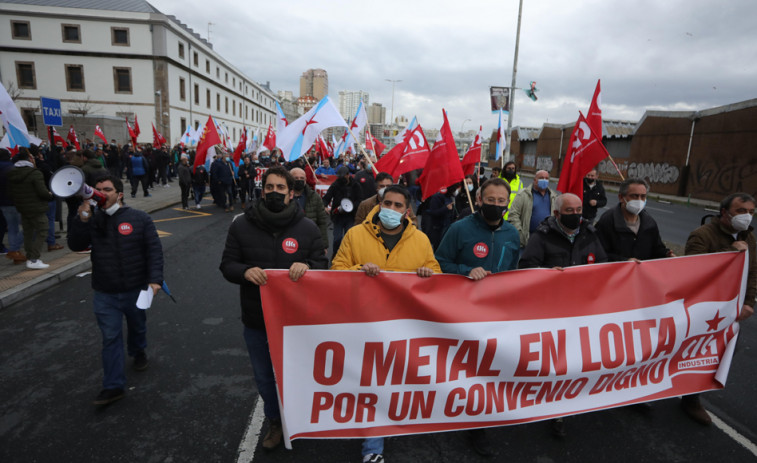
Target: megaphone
69,181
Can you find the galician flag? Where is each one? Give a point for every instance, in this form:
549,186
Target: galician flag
298,136
501,139
358,122
10,116
281,120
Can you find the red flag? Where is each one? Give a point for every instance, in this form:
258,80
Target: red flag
240,147
99,133
57,138
390,160
136,126
416,152
585,150
322,148
270,138
473,155
72,138
157,138
132,135
208,138
443,166
594,116
372,144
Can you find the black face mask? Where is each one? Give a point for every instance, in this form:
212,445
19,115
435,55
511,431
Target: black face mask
274,201
492,212
299,185
570,221
509,174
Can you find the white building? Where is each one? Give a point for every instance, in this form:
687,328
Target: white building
349,102
120,58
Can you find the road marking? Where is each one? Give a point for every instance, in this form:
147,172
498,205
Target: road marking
246,451
660,210
194,216
163,234
733,434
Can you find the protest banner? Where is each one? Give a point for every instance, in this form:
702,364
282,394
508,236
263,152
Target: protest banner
359,356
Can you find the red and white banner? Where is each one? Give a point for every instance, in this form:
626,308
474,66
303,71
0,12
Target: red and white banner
398,354
323,183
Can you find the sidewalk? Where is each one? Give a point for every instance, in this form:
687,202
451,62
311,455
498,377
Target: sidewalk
17,282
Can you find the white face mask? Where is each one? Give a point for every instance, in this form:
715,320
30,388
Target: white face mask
381,192
470,187
741,222
635,206
112,209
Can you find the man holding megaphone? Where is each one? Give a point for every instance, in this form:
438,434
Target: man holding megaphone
127,257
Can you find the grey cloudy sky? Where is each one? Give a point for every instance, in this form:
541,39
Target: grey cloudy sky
669,55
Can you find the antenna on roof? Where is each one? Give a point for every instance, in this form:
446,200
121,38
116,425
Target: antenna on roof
209,24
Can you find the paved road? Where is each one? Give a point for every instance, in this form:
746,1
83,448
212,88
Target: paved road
195,402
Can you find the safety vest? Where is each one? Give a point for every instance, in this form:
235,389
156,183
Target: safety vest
515,186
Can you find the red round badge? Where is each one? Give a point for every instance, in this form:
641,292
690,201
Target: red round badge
591,259
290,245
480,250
125,228
362,180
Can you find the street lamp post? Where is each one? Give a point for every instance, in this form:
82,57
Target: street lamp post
160,109
393,82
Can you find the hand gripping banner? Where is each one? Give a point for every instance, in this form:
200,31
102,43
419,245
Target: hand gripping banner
359,356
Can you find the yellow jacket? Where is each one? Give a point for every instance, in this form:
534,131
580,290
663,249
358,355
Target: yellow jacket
363,244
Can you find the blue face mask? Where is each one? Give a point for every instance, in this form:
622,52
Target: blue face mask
543,183
390,218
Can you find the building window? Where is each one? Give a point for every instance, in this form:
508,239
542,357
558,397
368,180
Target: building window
226,74
182,89
122,80
218,101
181,50
233,81
74,77
119,36
227,105
218,73
183,125
30,119
207,66
207,98
196,59
21,30
246,111
25,75
197,94
71,33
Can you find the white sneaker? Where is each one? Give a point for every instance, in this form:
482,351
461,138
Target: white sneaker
199,207
36,264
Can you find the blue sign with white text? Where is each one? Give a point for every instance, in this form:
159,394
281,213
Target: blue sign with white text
51,113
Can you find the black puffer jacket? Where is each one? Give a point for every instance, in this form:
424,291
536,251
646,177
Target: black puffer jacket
126,250
621,243
549,247
253,242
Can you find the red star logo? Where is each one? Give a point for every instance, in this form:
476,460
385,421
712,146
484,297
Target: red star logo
713,324
311,121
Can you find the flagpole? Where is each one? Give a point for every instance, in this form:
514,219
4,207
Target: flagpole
616,167
470,202
512,88
375,171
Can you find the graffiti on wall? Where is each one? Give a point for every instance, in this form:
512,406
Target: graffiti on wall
531,161
606,168
654,172
722,179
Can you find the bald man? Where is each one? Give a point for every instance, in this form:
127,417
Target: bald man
310,203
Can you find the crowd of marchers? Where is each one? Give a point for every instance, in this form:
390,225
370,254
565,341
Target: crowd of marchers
481,226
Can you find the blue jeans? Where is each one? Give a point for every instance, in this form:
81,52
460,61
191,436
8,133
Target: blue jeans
13,218
51,220
342,223
373,445
199,191
262,368
110,310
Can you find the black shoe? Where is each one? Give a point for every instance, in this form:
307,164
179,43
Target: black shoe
140,362
558,428
107,396
480,442
133,195
147,195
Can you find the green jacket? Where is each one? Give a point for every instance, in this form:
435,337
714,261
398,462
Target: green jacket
315,211
26,186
